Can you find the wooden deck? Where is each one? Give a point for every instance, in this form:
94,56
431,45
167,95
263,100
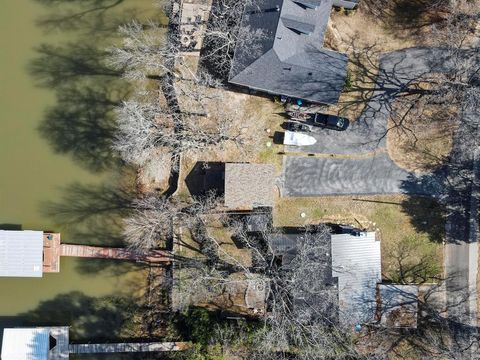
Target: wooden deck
126,347
51,252
85,251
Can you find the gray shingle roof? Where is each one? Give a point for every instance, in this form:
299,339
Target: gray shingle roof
290,60
309,303
249,185
21,253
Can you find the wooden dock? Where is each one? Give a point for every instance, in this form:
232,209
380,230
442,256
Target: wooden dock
53,249
51,252
85,251
127,347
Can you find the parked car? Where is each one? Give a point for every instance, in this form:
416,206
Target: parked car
298,139
297,126
328,121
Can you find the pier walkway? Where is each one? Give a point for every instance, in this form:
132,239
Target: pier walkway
85,251
126,347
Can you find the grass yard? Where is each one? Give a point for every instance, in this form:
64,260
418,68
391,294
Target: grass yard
258,118
411,229
424,139
363,34
227,249
186,246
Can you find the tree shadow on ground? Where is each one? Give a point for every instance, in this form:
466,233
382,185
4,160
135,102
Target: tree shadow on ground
436,335
405,14
81,203
426,215
111,267
452,198
58,65
81,123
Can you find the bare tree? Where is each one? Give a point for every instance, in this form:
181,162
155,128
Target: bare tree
146,51
146,126
225,32
459,70
435,336
303,304
301,317
154,219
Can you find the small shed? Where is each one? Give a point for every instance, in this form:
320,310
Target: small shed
21,253
39,343
398,305
249,186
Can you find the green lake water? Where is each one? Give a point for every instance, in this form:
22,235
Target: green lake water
32,171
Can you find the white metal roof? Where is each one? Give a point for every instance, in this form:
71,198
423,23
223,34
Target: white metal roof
25,344
21,253
356,261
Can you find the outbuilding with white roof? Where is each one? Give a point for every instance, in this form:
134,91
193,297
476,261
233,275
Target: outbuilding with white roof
38,343
21,253
356,263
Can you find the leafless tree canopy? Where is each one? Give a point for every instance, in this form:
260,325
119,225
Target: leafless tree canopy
144,126
191,118
225,32
301,318
144,53
154,219
457,34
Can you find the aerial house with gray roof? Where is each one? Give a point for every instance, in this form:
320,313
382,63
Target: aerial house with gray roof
353,271
288,57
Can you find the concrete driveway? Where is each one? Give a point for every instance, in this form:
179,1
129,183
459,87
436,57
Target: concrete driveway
309,176
368,132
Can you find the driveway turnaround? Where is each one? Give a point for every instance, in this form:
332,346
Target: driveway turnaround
309,176
368,133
